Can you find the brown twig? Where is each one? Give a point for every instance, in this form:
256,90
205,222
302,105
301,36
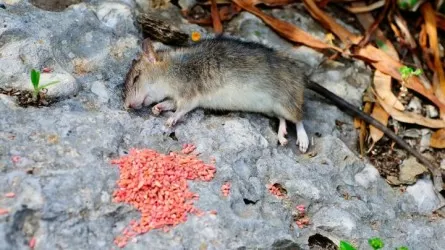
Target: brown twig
376,23
217,26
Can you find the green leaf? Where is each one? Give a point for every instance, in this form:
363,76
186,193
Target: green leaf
405,71
376,243
35,78
402,248
48,84
417,72
344,245
381,44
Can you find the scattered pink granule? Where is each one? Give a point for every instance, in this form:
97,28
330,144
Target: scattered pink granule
225,189
15,158
275,191
302,222
10,195
156,185
300,208
47,70
32,243
3,211
188,148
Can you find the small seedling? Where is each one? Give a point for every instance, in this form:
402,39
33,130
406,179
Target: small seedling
407,72
376,243
35,79
381,44
344,245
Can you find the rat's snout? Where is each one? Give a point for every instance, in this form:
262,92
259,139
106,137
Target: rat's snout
133,105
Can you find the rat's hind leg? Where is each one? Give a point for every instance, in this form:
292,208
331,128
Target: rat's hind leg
163,106
183,107
302,140
293,113
282,132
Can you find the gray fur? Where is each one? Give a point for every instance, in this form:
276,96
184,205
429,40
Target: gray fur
219,73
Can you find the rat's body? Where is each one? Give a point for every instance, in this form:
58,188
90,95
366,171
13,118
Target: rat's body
228,74
222,74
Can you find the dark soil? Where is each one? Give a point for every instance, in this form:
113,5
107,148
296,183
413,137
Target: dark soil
385,158
24,97
320,242
54,5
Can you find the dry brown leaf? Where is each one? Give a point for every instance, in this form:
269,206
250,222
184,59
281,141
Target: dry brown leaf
438,139
409,117
431,29
329,38
273,3
285,29
382,86
380,115
329,23
440,19
357,122
389,66
423,42
408,39
226,12
379,59
382,82
362,135
366,8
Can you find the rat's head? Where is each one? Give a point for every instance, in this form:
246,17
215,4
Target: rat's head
143,81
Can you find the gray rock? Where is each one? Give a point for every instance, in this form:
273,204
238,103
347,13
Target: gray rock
100,90
431,111
415,105
56,159
423,194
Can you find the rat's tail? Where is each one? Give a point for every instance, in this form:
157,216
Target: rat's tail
355,112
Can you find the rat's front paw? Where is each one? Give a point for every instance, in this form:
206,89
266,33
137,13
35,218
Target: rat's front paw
303,142
171,122
283,141
156,110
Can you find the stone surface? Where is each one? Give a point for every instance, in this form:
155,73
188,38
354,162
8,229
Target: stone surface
56,159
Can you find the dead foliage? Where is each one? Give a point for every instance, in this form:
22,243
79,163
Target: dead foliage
388,44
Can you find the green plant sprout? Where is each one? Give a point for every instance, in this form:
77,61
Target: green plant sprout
376,243
344,245
407,72
35,79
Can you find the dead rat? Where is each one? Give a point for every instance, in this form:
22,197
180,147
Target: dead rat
228,74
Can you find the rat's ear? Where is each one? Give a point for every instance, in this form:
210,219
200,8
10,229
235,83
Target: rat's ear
149,52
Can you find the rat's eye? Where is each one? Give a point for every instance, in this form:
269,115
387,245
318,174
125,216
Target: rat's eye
135,79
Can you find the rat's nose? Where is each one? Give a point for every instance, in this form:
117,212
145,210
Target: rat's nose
133,105
130,105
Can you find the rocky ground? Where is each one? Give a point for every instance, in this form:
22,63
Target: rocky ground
55,158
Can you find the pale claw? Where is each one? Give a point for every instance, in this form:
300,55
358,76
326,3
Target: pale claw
303,142
171,122
156,110
283,141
